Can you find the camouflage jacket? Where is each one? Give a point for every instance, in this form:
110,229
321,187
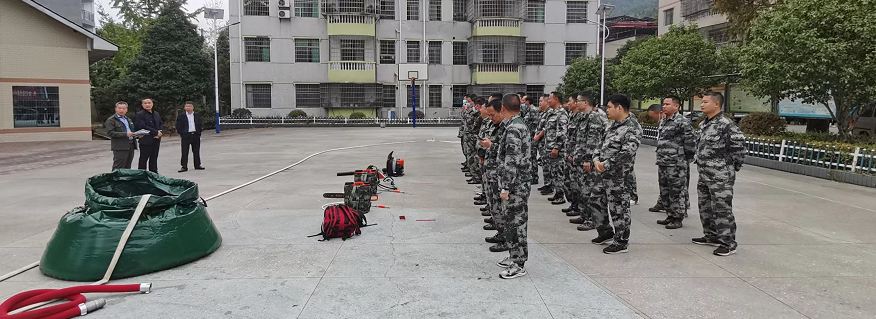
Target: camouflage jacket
514,155
676,142
491,153
591,133
486,129
619,148
556,128
575,120
532,118
474,122
720,144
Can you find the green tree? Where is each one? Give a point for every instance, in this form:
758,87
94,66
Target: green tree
681,62
109,75
172,67
815,50
741,13
224,72
585,75
622,51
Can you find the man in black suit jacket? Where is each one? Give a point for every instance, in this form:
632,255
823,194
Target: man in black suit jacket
149,120
189,125
121,130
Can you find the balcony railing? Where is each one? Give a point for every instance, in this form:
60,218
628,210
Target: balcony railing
351,66
497,68
344,18
345,24
352,72
497,27
496,74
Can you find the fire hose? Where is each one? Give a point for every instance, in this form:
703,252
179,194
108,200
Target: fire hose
77,305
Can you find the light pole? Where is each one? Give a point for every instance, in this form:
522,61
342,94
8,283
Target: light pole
604,10
216,14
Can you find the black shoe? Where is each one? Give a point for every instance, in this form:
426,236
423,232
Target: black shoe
587,226
573,213
465,169
484,209
554,197
533,182
184,169
665,221
200,168
579,220
480,202
706,241
559,201
723,251
467,174
497,248
490,227
657,208
471,181
603,239
480,197
496,239
568,209
541,188
615,249
547,191
674,224
486,213
488,220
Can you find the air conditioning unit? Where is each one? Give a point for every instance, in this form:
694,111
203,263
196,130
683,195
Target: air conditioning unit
285,14
283,3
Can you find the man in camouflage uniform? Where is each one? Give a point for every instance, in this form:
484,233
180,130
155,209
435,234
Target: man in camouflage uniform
531,116
491,145
514,159
573,172
615,163
473,127
632,185
720,154
539,142
555,139
676,146
589,137
464,116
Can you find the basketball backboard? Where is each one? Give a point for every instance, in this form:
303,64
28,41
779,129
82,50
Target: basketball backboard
419,72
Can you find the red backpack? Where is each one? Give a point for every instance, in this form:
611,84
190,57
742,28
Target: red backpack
340,221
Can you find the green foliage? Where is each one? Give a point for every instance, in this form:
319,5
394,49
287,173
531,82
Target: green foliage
624,49
816,51
171,67
297,113
360,115
644,118
109,75
224,66
419,114
584,76
242,113
741,13
678,63
762,123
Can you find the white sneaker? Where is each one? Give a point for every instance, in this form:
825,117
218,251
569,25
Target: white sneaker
505,263
513,272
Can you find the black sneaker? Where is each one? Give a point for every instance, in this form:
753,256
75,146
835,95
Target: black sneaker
579,220
479,197
665,221
480,202
706,241
496,239
603,239
568,209
657,208
467,174
485,212
573,213
472,182
490,227
497,248
533,182
484,208
587,226
674,224
488,220
558,201
723,251
615,249
546,191
541,188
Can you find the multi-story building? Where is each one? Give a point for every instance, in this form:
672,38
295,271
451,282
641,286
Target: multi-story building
713,26
333,57
80,12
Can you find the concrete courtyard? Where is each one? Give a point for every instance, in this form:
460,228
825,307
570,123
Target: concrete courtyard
807,246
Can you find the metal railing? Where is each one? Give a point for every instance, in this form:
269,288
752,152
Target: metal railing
351,66
488,23
329,121
87,15
346,18
497,68
834,157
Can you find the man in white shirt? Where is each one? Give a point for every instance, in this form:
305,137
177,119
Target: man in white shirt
189,126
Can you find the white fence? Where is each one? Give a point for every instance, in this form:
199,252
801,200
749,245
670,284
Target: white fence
317,121
850,159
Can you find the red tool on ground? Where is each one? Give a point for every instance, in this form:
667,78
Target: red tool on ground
77,306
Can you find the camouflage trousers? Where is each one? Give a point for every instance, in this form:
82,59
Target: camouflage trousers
557,175
474,165
573,175
631,185
673,182
534,160
617,187
596,205
494,202
516,214
544,158
715,191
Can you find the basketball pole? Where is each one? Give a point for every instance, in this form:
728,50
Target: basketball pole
414,100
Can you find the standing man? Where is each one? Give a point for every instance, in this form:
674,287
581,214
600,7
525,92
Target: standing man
720,154
147,119
573,172
591,134
531,119
555,134
632,185
120,129
491,144
473,127
515,187
676,147
538,143
189,125
615,163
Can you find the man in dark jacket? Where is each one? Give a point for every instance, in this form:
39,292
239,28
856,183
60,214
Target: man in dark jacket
189,126
120,129
147,119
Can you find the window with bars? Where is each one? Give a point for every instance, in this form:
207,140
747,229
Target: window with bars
435,95
417,94
534,92
36,106
387,51
352,50
389,95
574,51
458,92
351,6
257,49
435,52
307,95
534,11
459,7
307,50
307,8
668,16
460,53
258,96
413,51
492,52
576,11
535,54
413,9
256,7
386,9
434,10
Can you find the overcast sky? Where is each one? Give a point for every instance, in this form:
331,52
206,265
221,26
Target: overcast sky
192,5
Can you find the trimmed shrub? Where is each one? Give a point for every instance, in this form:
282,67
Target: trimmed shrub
244,113
419,115
644,118
297,113
357,115
762,124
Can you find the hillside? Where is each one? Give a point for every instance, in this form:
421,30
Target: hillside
635,8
